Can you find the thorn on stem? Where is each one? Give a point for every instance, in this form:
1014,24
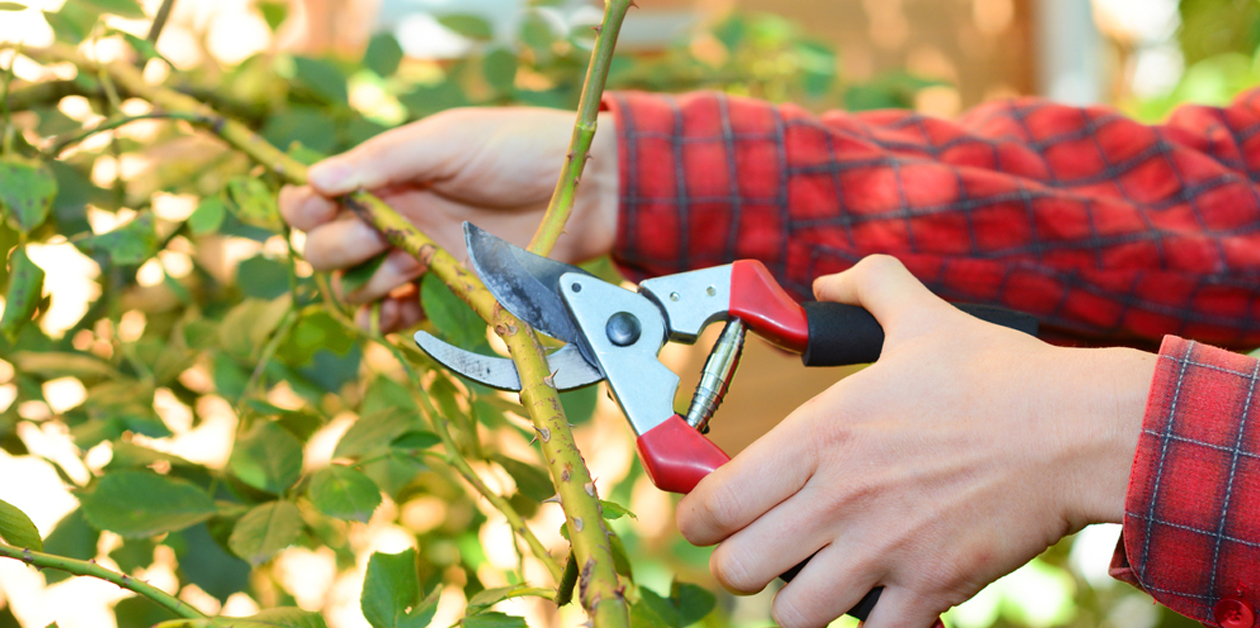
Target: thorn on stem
590,488
599,30
578,524
554,499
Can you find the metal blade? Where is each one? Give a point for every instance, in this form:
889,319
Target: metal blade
570,369
528,285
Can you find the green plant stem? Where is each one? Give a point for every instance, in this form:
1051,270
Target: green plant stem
109,124
159,21
562,198
91,569
601,592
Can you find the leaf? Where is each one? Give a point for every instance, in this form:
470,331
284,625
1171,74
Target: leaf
282,617
16,528
383,54
499,67
273,12
489,597
12,6
208,216
139,503
54,364
267,457
128,245
391,589
27,190
148,51
316,330
129,9
253,202
353,279
371,432
322,78
203,561
456,323
265,530
261,277
470,26
531,481
613,511
493,619
26,289
414,441
686,605
247,326
343,493
72,22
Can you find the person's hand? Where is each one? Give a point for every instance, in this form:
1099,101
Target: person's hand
963,453
494,167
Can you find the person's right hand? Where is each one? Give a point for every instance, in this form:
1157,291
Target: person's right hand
495,167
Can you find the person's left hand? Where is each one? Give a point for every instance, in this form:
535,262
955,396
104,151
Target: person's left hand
964,452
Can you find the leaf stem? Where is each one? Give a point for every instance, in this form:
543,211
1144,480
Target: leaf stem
91,569
159,21
60,144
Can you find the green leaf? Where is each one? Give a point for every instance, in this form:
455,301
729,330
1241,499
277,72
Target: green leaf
384,393
26,289
148,51
686,605
133,554
322,78
455,321
531,481
16,528
391,589
316,330
499,67
27,190
353,279
383,54
128,245
493,620
372,432
139,503
12,6
205,562
72,22
247,326
482,601
54,364
613,511
283,617
414,441
253,202
265,530
470,26
343,493
267,457
261,277
129,9
580,403
273,12
208,216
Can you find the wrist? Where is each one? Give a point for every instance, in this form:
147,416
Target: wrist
1110,405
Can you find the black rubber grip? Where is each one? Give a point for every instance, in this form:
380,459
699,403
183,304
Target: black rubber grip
863,608
840,334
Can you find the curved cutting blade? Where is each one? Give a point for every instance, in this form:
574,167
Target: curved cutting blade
528,285
570,369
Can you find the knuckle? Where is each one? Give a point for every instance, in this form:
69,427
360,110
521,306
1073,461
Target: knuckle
730,566
787,613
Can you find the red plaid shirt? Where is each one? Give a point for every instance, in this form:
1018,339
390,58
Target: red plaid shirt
1108,230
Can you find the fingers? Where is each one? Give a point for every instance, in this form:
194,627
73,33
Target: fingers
302,208
398,311
399,268
899,606
342,243
882,285
829,586
423,150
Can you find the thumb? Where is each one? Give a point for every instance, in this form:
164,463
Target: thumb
881,285
420,151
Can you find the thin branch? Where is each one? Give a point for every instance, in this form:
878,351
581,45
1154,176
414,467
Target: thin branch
60,144
159,21
93,570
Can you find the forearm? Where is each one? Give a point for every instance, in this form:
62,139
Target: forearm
1107,230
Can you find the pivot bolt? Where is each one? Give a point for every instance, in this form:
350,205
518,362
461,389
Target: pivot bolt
623,329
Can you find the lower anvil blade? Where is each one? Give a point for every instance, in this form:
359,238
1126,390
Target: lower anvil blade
569,369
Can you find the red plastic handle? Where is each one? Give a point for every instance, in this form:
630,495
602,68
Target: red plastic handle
761,302
677,457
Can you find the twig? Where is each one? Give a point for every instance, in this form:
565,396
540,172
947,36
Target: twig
159,21
91,569
62,143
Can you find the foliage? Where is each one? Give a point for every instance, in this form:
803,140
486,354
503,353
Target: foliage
185,324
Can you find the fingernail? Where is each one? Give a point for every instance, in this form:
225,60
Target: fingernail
329,175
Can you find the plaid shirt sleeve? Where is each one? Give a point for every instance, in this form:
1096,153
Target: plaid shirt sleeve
1108,230
1192,518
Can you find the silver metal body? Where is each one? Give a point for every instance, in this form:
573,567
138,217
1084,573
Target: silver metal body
691,300
569,369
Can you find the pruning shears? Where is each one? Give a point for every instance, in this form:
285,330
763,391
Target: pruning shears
615,334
